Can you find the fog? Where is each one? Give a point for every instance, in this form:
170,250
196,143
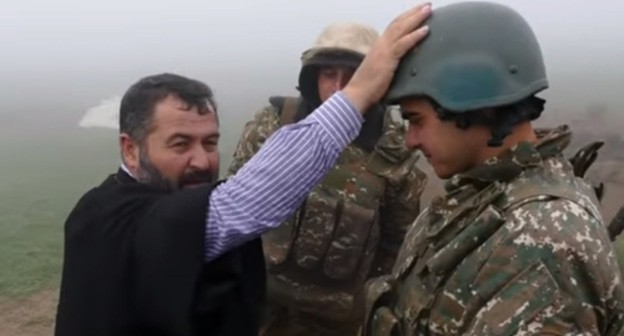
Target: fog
62,59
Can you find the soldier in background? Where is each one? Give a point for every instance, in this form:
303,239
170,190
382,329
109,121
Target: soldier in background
353,222
517,246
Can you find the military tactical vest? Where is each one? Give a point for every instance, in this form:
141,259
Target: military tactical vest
400,303
322,254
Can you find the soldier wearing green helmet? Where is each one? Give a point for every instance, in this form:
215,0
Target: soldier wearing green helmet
517,245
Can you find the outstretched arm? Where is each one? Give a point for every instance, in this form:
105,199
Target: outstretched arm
273,183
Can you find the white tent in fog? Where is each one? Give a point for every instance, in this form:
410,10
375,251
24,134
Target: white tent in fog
105,115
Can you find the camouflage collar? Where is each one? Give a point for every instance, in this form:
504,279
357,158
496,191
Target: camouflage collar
512,162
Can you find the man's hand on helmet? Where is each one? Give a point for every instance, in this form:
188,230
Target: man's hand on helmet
373,77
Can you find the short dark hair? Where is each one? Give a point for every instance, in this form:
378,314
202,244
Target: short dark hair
138,103
499,120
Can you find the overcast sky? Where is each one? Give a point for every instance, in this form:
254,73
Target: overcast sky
64,56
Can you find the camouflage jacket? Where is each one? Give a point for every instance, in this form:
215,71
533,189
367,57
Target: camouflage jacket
349,228
516,247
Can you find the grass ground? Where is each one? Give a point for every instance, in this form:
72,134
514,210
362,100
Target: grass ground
40,181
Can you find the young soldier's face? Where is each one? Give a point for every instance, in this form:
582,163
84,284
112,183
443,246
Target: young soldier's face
448,149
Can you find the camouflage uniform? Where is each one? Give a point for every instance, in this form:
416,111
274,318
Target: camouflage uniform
349,228
352,224
517,246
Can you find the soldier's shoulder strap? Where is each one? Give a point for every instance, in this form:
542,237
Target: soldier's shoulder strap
578,193
286,108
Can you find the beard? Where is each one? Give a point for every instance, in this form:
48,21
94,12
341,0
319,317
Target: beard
149,174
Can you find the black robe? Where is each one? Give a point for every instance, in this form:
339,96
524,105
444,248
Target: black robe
133,265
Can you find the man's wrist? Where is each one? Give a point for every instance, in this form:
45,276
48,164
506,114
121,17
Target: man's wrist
356,98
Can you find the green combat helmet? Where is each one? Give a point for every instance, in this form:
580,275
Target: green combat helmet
477,55
480,55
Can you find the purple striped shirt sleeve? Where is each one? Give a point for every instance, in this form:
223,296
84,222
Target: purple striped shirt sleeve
275,181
